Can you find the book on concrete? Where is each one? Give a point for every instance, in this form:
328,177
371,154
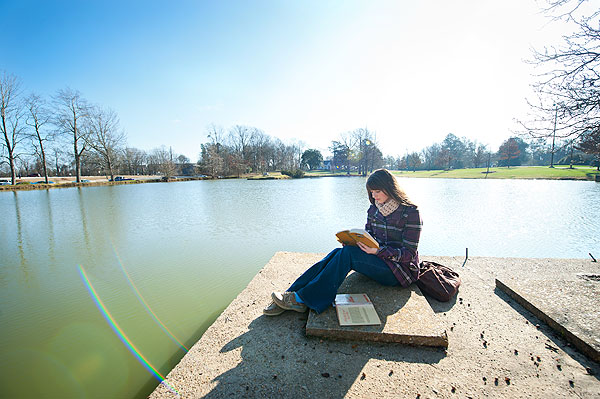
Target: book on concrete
355,310
351,237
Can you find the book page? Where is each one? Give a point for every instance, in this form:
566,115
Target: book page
355,310
357,315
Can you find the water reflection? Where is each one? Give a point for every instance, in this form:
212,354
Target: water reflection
80,201
20,243
50,227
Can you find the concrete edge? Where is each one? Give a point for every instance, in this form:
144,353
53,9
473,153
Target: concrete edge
405,339
580,344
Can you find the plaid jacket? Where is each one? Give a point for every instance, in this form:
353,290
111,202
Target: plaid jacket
398,236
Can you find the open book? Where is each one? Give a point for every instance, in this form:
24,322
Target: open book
350,237
355,310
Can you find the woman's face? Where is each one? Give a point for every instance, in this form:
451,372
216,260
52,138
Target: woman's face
379,196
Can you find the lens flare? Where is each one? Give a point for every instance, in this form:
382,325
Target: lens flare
121,334
145,304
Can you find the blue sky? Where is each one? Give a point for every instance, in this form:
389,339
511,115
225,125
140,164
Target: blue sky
299,70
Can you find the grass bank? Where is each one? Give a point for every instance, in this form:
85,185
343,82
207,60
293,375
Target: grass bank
559,172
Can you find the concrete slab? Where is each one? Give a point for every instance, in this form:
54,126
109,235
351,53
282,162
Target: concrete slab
570,305
495,349
406,316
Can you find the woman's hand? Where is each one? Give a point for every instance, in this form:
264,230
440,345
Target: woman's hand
367,249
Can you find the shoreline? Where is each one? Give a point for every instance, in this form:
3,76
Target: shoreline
587,174
93,181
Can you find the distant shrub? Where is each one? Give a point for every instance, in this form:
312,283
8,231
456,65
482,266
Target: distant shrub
295,174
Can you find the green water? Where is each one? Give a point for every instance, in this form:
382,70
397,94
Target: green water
165,259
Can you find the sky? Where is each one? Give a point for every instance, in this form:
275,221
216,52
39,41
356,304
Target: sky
302,71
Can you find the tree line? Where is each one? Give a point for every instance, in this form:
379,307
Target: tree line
244,149
458,153
68,135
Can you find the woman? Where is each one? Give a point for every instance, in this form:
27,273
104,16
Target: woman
394,221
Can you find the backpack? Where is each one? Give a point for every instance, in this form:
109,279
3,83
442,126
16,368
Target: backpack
438,281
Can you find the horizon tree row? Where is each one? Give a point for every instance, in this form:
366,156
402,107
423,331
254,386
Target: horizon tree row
459,153
31,126
357,149
127,161
37,135
244,149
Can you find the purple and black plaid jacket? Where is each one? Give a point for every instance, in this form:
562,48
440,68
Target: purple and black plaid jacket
398,236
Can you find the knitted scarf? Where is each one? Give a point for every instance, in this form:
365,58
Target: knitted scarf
387,207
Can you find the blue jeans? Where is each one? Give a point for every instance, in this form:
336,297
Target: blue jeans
318,285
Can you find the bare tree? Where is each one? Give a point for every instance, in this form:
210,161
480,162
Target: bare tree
160,160
105,137
239,138
344,150
211,159
297,149
216,135
259,147
568,89
38,117
413,161
11,114
72,110
213,154
24,165
366,142
58,156
182,159
134,160
431,155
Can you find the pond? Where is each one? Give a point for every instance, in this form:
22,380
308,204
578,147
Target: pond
103,289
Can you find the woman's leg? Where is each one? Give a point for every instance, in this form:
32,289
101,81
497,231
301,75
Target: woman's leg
273,309
313,271
318,288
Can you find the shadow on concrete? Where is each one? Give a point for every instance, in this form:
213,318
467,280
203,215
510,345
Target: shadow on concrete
279,360
442,307
551,334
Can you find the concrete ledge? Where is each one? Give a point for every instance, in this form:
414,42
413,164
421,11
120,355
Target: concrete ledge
565,305
495,349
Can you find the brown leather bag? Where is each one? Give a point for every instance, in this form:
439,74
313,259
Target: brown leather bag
438,281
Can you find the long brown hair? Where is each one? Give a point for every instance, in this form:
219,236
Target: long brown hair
383,180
